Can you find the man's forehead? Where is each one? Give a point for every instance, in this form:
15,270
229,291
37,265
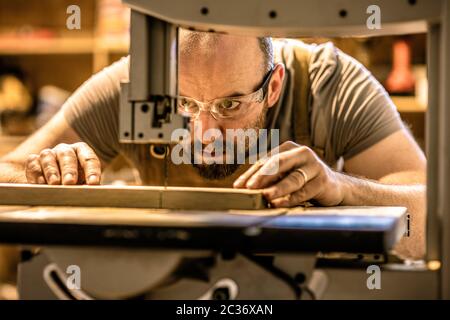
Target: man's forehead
234,52
214,84
215,66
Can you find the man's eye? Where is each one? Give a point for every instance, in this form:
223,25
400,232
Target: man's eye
186,104
229,104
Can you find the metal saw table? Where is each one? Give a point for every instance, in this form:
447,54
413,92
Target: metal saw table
187,254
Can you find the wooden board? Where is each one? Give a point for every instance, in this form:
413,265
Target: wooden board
12,208
132,197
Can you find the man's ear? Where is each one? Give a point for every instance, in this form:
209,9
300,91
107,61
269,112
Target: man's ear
275,85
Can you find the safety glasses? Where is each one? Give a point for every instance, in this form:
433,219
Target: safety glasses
223,108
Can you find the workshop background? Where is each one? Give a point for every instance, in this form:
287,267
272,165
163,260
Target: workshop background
42,62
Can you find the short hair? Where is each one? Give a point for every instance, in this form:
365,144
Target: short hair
266,46
193,38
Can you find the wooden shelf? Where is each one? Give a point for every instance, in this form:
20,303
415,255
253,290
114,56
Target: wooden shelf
82,45
408,104
112,45
46,46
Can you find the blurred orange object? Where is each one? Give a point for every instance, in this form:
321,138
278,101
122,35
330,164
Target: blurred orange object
401,80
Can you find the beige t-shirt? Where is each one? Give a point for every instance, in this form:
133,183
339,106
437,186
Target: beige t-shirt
349,110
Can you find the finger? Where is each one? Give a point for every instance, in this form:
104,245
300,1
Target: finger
242,180
89,162
68,164
279,165
291,183
33,170
285,146
308,192
50,166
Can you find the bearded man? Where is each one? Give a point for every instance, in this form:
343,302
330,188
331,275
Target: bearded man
342,141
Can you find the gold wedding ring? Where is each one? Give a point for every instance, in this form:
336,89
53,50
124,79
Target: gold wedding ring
303,173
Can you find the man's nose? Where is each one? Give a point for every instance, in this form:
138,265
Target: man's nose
208,122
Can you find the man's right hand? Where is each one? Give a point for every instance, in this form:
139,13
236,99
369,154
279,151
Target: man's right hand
66,164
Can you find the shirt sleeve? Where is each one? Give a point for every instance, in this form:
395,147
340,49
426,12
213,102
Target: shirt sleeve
93,110
359,111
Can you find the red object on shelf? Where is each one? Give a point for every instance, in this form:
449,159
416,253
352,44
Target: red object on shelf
401,79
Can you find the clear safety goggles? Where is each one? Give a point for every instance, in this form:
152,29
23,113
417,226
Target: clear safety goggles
222,108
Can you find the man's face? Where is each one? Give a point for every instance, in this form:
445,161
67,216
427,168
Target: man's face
233,66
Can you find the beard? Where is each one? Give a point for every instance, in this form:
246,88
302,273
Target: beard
216,171
219,171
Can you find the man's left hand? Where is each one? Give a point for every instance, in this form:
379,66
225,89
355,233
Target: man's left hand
299,176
